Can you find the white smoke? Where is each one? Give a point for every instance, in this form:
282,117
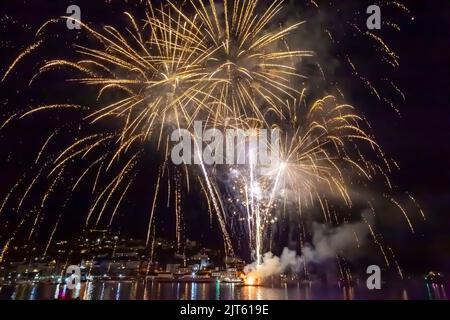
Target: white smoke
271,265
327,241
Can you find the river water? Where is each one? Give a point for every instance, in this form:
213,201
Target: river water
152,290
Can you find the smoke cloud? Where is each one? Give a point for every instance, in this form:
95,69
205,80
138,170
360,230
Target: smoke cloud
271,264
327,242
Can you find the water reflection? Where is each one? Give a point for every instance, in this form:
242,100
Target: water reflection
436,291
151,290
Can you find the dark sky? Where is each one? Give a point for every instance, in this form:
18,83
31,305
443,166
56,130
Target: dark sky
417,140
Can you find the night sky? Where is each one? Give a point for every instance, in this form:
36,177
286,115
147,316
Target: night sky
418,139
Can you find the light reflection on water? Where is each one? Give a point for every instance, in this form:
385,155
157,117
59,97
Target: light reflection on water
152,290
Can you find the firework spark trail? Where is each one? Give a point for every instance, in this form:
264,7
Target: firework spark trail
375,238
217,208
276,185
178,221
10,192
119,202
155,197
408,220
24,53
43,202
344,16
254,204
417,205
52,234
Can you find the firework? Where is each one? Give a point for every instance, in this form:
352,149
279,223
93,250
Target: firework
228,64
317,152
